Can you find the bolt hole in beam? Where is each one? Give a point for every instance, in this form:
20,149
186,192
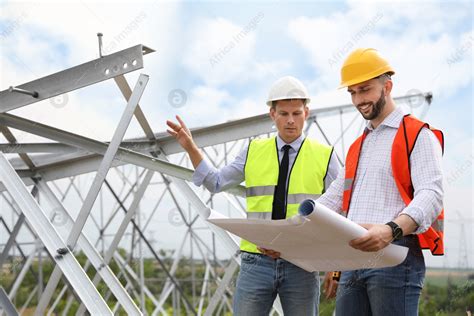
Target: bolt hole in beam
117,68
74,78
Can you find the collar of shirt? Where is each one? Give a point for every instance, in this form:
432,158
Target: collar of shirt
392,120
295,145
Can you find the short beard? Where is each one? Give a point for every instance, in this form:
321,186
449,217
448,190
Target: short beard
376,108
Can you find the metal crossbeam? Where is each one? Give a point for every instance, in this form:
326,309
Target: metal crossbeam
58,148
94,71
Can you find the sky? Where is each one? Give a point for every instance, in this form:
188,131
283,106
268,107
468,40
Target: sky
216,60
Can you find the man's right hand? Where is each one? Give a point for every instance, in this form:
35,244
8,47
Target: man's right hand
182,134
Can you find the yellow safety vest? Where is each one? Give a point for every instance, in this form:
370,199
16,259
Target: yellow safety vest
261,177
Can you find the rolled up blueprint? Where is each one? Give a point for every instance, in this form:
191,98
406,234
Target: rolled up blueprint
317,239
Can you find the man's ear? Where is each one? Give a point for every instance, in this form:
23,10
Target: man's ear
272,113
306,112
388,87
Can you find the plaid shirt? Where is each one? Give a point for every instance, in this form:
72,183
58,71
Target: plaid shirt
375,196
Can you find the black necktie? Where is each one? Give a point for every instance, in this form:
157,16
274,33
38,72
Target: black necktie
279,211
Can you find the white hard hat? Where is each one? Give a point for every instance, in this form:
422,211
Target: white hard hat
287,88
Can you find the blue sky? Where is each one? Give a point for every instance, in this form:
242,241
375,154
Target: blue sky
428,43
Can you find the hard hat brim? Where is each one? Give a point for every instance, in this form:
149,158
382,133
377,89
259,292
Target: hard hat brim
367,77
269,102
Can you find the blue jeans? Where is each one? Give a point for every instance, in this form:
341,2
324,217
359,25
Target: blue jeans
386,291
261,278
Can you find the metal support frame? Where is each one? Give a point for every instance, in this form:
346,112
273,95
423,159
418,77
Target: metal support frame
24,270
52,241
11,239
229,273
95,187
142,236
6,304
91,253
121,230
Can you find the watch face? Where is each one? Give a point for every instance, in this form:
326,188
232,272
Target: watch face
397,233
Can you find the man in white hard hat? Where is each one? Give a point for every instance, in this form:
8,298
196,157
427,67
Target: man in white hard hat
279,173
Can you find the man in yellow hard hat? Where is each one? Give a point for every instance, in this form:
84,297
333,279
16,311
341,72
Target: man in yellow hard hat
392,185
279,172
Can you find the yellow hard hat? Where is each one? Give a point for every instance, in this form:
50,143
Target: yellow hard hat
363,64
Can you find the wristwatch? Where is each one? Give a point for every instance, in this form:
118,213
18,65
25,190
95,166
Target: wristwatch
397,232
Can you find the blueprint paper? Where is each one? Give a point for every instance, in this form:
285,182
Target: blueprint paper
316,240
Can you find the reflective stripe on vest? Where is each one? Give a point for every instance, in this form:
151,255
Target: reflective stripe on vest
261,177
270,189
402,147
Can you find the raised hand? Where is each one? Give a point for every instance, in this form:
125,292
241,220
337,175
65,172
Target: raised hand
182,134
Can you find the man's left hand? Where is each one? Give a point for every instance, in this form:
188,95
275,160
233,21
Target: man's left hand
378,236
329,286
268,252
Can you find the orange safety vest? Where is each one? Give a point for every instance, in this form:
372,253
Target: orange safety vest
402,146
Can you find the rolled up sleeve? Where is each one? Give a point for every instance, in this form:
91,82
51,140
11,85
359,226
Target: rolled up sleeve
332,198
217,180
